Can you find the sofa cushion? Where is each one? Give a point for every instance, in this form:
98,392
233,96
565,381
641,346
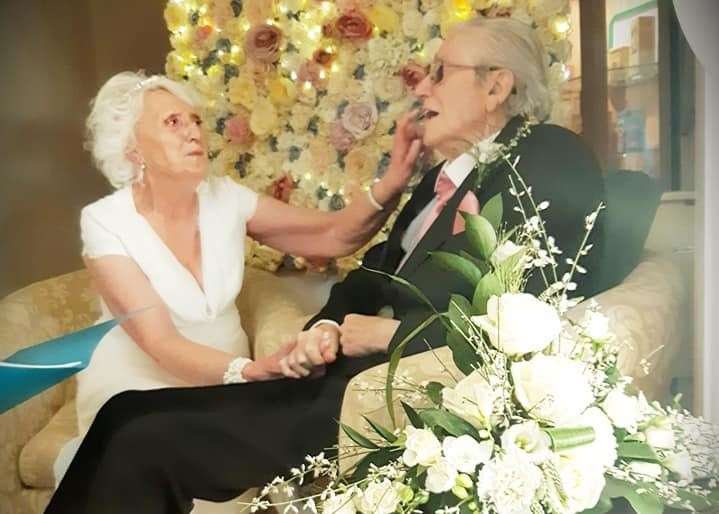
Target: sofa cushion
38,455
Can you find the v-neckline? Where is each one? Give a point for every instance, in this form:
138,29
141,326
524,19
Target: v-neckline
200,284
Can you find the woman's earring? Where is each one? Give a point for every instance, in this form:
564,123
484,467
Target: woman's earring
141,175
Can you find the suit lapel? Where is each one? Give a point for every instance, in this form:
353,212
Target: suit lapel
441,229
421,196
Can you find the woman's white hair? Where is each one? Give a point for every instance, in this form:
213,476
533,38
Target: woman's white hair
515,46
111,123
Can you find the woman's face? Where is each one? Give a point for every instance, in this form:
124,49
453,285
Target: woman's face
169,136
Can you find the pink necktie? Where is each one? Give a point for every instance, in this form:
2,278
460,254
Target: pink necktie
444,189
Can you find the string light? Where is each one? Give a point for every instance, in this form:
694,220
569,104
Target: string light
307,85
293,75
322,75
560,25
334,68
325,7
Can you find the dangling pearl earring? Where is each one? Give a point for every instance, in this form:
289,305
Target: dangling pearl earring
141,175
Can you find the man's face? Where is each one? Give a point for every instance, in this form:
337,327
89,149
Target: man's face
454,98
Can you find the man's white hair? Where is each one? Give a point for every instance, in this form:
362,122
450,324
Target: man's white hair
513,45
111,123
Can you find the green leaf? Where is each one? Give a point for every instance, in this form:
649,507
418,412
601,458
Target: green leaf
358,438
564,438
382,431
414,418
637,450
487,287
463,267
481,235
483,266
417,292
434,392
492,211
603,506
395,355
451,423
463,355
378,458
645,503
700,503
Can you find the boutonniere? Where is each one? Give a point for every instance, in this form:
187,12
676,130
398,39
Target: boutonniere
488,154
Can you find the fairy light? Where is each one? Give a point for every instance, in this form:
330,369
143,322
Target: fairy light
560,25
284,9
325,7
181,30
315,32
235,49
246,25
335,67
203,9
307,85
322,74
308,176
293,75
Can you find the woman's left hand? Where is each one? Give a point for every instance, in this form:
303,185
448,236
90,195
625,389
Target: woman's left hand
405,151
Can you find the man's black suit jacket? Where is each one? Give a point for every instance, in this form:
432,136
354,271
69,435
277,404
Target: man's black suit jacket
558,167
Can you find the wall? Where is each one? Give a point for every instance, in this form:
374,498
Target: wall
55,56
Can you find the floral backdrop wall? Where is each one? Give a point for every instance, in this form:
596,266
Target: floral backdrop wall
302,95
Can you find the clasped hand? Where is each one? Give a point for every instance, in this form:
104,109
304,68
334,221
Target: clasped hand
358,336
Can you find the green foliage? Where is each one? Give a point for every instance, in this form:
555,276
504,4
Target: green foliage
450,423
637,450
647,502
358,438
414,418
382,431
492,211
434,392
465,268
488,286
480,234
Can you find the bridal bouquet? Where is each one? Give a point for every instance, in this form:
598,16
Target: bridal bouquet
541,420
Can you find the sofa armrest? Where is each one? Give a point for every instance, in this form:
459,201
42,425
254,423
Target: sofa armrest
649,314
271,310
41,311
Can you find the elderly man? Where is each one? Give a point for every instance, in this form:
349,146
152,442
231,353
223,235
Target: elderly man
151,452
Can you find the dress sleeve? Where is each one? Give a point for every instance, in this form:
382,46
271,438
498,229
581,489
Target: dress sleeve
97,239
244,200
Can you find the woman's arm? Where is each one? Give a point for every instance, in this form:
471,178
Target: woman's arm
125,289
313,233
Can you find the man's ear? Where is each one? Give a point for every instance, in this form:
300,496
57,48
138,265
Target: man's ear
501,87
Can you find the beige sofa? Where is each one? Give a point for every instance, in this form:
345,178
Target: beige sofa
646,310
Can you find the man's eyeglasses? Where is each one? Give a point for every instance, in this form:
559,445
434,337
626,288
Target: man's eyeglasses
436,69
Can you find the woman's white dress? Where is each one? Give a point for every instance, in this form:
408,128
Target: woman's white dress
206,315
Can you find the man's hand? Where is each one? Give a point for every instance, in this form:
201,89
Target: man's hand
314,349
365,335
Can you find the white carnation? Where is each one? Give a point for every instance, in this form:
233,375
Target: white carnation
465,453
379,498
602,452
596,326
529,438
472,399
582,485
551,388
660,437
412,25
422,447
441,477
518,323
509,483
622,409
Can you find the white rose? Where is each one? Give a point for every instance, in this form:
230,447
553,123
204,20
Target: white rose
440,477
422,447
505,251
646,470
388,88
681,464
602,452
263,119
412,24
379,498
472,399
582,484
431,48
529,438
662,438
465,453
596,325
339,504
551,388
518,323
622,409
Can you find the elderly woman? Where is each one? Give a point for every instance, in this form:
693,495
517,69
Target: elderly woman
487,86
